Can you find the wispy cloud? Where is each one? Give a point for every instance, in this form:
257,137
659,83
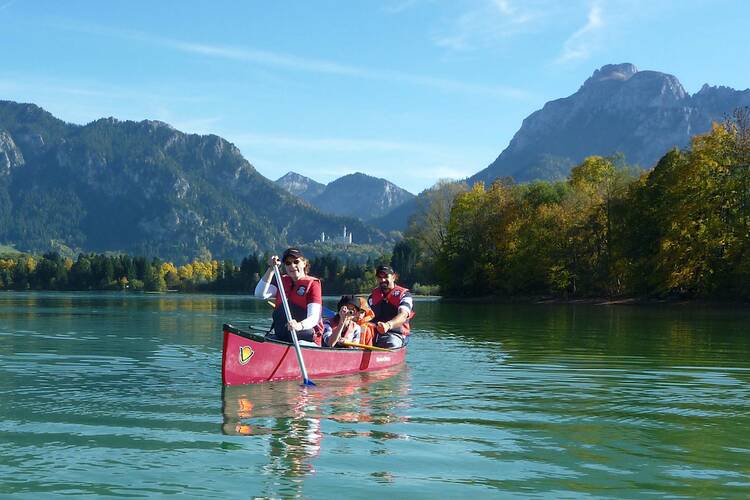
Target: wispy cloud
400,6
35,85
306,64
322,66
515,16
326,143
263,57
581,43
489,23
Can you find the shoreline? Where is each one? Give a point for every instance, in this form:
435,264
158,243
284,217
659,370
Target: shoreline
599,301
486,299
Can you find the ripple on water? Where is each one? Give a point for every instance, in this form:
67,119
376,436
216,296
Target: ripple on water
554,402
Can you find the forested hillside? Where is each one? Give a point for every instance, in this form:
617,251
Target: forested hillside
143,188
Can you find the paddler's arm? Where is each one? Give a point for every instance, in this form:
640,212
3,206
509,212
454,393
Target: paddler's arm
333,339
396,322
345,319
264,289
313,317
314,309
404,311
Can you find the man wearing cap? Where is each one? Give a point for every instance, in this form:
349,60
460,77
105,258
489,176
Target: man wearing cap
393,308
303,293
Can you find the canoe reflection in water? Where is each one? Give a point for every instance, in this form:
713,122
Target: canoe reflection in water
292,415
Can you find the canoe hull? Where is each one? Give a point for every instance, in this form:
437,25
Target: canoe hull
248,358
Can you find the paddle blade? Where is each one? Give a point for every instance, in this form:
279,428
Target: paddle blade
308,382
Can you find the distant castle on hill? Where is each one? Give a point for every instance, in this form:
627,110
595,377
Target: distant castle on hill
344,239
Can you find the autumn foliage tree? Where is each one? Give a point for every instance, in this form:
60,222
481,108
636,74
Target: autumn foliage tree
681,229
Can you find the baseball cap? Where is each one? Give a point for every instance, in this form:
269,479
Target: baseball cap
384,269
291,252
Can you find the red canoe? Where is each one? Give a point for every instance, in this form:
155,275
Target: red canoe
249,358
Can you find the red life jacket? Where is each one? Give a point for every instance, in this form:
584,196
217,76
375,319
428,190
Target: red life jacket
386,310
368,329
299,298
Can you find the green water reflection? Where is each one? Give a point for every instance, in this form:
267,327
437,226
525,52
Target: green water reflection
110,394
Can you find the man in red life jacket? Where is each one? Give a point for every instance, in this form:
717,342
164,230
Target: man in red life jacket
393,308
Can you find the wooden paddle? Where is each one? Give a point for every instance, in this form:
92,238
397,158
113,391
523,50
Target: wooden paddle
280,284
364,346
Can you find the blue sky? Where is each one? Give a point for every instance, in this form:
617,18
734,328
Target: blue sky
409,90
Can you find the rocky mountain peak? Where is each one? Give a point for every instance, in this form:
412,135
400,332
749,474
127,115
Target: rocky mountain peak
26,111
299,185
716,91
619,72
364,195
293,178
623,85
106,121
155,124
359,193
619,109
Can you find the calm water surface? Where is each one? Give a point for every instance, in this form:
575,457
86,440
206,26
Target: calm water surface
120,395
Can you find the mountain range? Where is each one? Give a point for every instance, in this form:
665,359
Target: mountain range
354,195
619,109
143,188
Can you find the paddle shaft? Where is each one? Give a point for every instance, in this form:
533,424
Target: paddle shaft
364,346
280,284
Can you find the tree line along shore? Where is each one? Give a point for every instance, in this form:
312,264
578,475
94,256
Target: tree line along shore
52,271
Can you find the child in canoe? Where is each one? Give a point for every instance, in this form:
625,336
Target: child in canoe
350,324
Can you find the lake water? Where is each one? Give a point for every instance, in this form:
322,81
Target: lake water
120,395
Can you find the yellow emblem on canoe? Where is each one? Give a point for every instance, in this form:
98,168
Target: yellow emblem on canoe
246,352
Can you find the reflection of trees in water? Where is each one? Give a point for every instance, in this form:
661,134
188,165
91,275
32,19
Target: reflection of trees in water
529,332
291,417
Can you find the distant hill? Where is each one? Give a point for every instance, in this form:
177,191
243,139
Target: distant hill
353,195
642,114
143,188
397,219
362,196
301,186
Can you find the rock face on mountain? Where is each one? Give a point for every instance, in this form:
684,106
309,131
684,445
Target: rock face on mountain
10,156
301,186
143,188
641,114
360,195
